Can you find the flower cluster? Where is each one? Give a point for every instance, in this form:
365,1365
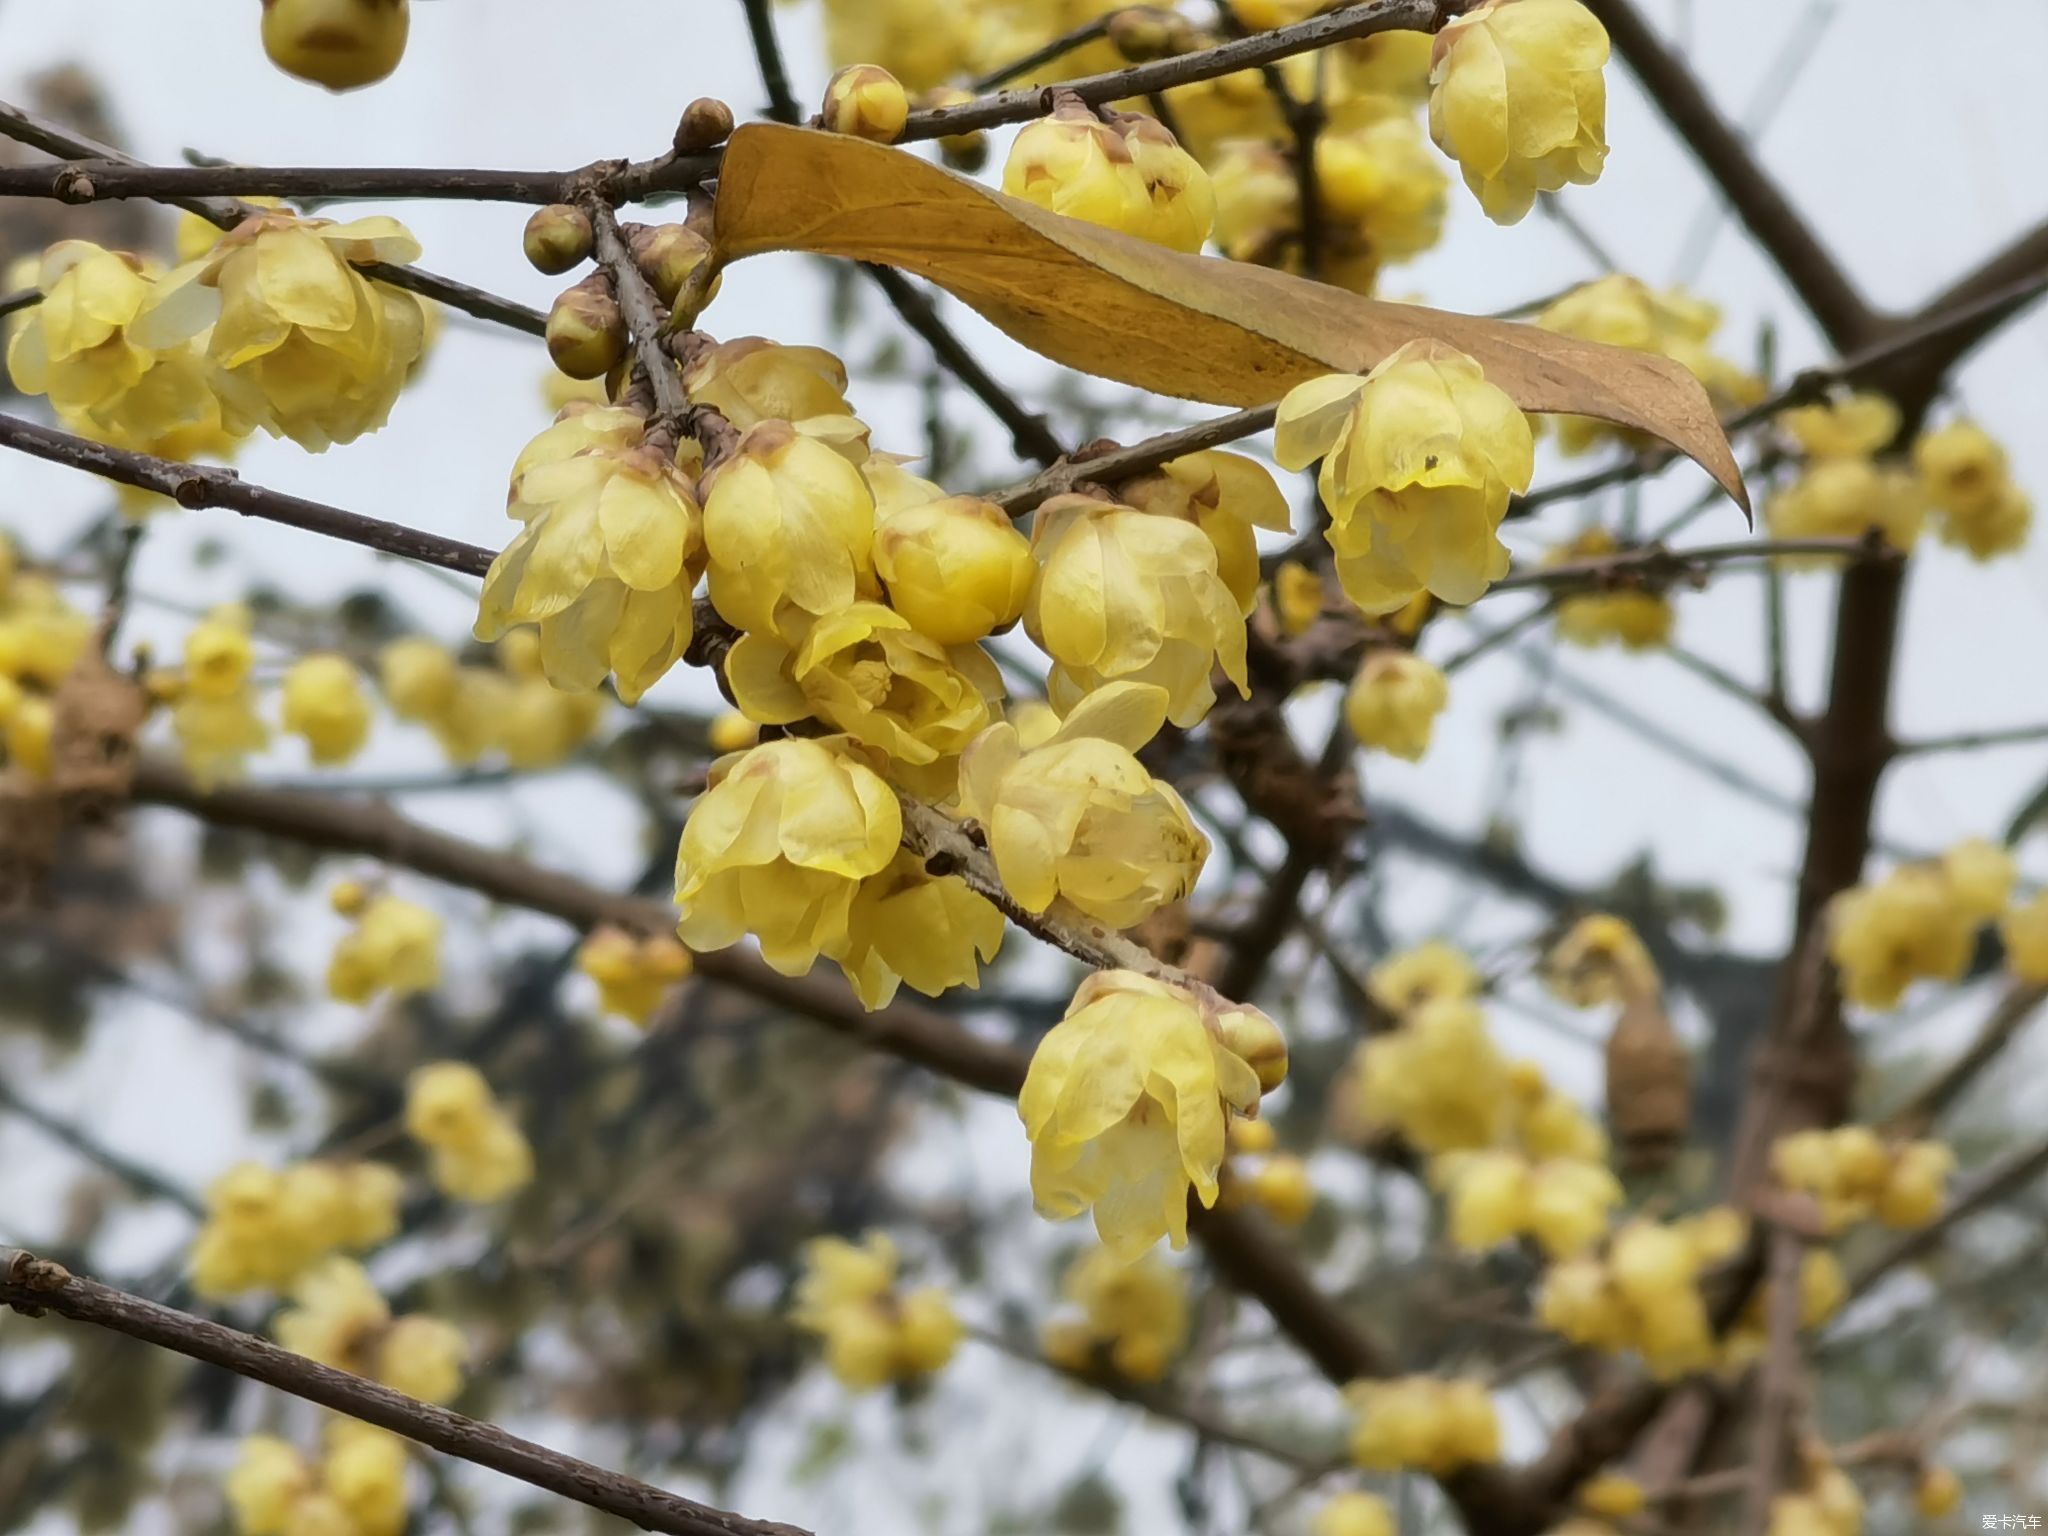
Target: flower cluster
338,1318
216,718
1977,505
872,1335
1853,1175
1120,170
475,709
1439,1079
1133,1316
1127,1100
633,972
1255,1173
1844,490
479,1153
265,1226
1433,971
394,949
355,1488
1918,922
1643,1294
1637,618
1599,960
1424,1423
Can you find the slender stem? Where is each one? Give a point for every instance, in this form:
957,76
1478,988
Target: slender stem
1037,58
26,298
137,1176
1112,464
202,485
1970,741
1659,563
646,319
33,1286
2000,1028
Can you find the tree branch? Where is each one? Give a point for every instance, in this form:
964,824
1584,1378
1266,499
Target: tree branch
1106,463
33,1286
1918,1114
1660,564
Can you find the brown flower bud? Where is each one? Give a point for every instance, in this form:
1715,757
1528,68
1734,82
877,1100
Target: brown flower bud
867,102
707,122
666,255
586,332
558,237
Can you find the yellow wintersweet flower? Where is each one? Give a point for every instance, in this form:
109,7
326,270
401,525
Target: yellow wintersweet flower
906,925
954,567
341,44
30,724
1495,1196
633,973
1429,972
1548,1124
215,720
1980,875
74,346
422,1357
1612,1495
778,845
867,102
1423,1422
1905,927
846,1295
2024,931
394,948
1079,817
1133,1314
1961,467
923,43
1439,1079
336,1317
1419,458
1937,1492
1280,1186
324,702
732,732
1126,1100
1258,200
1180,204
41,635
480,1154
542,726
1997,528
263,1226
1916,1184
1599,960
417,676
1636,619
1297,597
1393,703
1226,495
1845,498
866,671
1855,426
219,654
1380,177
268,1479
305,346
751,379
1076,165
1127,595
789,528
363,1471
1517,98
1353,1514
607,558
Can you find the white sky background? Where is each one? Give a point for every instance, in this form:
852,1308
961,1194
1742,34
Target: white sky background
1913,147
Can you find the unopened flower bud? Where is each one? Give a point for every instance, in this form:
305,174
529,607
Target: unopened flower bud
586,332
558,237
349,897
707,122
340,44
666,255
1145,32
1256,1040
868,102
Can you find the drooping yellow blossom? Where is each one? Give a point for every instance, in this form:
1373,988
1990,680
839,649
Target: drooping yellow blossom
394,948
751,379
1079,817
475,717
607,556
1380,178
1226,495
74,346
341,44
1636,618
1846,498
41,635
907,925
1854,1176
541,725
2024,931
363,1471
1431,971
1422,1422
955,568
1280,1186
304,345
924,43
778,845
1353,1514
1517,98
266,1484
867,672
633,972
1393,703
1133,1315
1126,1101
1855,426
1964,473
1439,1079
215,720
872,1335
480,1154
417,676
1599,960
339,1319
1419,458
789,528
1496,1196
28,725
1980,875
264,1226
1258,198
1127,595
1297,597
1130,175
325,703
1913,924
1826,1502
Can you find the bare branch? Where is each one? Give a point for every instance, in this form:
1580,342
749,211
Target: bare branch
2008,1176
33,1287
1106,463
2000,1028
1658,564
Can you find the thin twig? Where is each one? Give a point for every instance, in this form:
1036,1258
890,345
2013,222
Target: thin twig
1970,741
137,1176
1659,563
2008,1176
1112,464
1919,1112
33,1286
